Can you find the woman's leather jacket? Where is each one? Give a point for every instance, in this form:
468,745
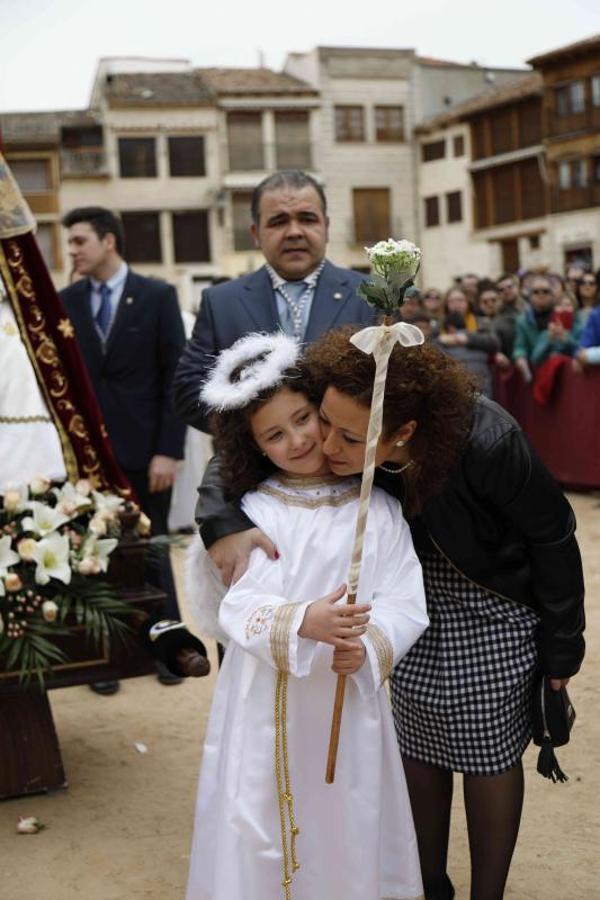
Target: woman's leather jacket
501,520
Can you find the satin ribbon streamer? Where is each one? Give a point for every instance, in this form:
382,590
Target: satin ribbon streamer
378,341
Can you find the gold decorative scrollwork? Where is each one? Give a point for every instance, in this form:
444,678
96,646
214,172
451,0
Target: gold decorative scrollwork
59,385
77,427
47,352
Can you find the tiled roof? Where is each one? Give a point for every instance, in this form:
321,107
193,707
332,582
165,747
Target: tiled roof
516,89
157,89
253,81
42,127
579,48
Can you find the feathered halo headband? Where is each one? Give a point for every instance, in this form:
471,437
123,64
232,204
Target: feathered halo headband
253,364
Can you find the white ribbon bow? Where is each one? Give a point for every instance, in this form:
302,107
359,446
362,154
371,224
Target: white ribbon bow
371,339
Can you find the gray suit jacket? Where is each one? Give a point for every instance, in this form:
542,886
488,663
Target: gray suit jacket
247,304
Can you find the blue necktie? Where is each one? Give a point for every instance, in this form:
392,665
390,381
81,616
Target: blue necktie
104,314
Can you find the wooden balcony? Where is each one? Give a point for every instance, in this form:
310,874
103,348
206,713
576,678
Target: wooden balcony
575,198
572,123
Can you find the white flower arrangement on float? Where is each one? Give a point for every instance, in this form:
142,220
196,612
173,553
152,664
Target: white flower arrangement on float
55,547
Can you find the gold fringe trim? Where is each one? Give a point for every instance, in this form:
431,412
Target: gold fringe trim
287,818
383,650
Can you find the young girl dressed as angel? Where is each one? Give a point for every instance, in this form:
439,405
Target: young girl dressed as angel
267,825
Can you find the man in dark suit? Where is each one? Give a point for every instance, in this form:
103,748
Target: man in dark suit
297,290
130,333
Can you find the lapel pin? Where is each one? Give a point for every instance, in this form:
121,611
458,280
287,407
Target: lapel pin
337,296
129,301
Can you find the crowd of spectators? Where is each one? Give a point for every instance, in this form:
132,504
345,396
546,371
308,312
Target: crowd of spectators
534,322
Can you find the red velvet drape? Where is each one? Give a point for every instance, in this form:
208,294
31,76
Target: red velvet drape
565,431
50,340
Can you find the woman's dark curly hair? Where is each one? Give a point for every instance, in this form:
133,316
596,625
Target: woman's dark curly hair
241,463
422,384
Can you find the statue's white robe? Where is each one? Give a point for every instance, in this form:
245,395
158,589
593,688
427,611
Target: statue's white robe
29,442
357,840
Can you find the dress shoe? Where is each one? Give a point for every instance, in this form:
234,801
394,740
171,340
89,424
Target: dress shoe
165,676
106,688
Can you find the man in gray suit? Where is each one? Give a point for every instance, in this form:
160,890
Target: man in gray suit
297,290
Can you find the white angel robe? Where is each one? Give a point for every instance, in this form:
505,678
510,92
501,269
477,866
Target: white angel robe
357,840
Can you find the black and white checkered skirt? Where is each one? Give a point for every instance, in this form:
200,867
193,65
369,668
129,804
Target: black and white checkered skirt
461,696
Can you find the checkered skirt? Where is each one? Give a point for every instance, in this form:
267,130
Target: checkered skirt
461,695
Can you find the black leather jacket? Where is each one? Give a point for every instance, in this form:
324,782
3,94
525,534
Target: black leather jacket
501,520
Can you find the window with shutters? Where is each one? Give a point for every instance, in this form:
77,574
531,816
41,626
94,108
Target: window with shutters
432,211
533,195
458,145
561,101
142,237
529,118
564,175
480,198
433,150
577,96
478,138
32,175
389,123
501,126
503,187
454,206
186,157
372,221
240,207
190,236
137,157
292,139
245,140
349,123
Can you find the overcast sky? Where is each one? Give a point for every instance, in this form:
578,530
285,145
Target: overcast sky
49,48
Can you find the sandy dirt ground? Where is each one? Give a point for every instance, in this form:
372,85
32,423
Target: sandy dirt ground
122,829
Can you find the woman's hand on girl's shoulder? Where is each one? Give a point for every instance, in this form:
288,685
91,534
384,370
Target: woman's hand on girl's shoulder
331,623
231,553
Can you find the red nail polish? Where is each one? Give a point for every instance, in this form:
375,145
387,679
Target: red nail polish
277,554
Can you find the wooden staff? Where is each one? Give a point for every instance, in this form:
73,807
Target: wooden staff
381,351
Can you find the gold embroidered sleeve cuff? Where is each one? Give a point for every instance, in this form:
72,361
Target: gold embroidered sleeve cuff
383,650
280,635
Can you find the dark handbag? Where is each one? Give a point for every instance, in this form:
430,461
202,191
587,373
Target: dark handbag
552,719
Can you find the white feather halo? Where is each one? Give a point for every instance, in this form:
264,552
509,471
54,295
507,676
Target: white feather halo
267,355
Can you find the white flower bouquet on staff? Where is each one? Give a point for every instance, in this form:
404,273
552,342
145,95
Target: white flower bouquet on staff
395,264
55,547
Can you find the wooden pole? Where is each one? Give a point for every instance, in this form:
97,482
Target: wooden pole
336,720
381,354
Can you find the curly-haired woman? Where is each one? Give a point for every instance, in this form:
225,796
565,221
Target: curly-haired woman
503,577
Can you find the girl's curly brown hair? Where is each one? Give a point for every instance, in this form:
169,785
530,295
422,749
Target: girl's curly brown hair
422,384
241,463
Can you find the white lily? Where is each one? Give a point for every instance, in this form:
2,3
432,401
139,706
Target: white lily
16,497
43,520
8,557
69,497
52,558
99,550
107,504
